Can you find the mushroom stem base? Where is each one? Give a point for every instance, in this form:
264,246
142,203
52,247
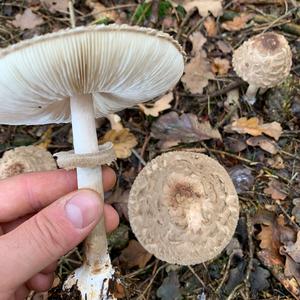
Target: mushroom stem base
250,96
93,285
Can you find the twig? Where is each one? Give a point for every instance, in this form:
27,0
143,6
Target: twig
140,297
288,28
196,275
297,227
138,157
278,19
237,83
184,22
251,253
194,28
155,12
232,294
72,14
277,272
251,163
146,142
225,276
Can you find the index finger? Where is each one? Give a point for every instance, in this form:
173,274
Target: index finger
29,193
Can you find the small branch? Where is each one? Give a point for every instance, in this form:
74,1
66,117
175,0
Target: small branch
196,275
292,222
226,273
237,83
140,297
72,14
251,253
291,28
184,22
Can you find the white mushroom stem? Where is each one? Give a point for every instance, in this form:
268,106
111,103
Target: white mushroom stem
250,96
92,279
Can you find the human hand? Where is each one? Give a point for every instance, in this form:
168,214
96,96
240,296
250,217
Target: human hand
42,217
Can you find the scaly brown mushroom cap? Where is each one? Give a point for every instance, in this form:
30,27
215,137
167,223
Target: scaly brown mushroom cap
25,159
183,208
264,60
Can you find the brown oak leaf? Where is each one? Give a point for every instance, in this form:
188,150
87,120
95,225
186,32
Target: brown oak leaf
238,22
160,105
172,129
255,127
275,190
134,255
27,20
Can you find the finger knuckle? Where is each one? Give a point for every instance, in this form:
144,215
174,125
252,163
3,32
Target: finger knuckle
49,236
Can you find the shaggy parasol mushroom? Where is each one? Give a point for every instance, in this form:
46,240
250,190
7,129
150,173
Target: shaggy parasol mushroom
189,202
74,76
263,61
26,159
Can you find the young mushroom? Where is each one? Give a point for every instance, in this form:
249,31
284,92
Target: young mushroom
77,75
263,61
190,204
26,159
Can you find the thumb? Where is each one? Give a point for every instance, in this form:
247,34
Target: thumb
48,235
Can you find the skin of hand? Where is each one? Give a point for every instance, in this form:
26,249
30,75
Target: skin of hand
42,217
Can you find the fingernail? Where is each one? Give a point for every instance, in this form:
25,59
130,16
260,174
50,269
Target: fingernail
83,209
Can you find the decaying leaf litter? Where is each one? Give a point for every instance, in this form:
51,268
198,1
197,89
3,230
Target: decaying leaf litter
258,144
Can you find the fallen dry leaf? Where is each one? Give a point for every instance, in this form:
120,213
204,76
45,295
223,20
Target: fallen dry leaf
224,47
273,239
56,5
172,129
238,22
273,129
276,162
204,6
292,262
274,2
119,290
220,66
275,190
197,71
292,270
264,143
210,26
119,199
99,11
274,234
159,106
235,144
198,40
293,250
277,271
134,255
296,209
123,142
255,127
27,20
170,288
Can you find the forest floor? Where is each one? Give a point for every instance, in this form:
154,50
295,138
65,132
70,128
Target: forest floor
258,144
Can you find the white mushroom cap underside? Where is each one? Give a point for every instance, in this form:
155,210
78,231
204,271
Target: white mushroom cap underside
119,65
183,208
264,60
